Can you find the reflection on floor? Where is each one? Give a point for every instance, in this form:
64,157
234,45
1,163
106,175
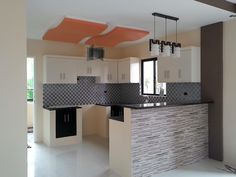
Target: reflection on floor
90,159
204,168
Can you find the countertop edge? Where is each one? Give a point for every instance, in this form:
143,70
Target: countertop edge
58,108
164,104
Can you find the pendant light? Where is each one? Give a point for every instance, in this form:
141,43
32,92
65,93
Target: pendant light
164,48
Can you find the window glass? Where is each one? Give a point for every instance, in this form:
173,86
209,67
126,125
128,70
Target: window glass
148,77
150,85
30,79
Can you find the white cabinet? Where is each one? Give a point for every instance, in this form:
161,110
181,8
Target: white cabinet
128,70
89,68
187,68
59,70
108,72
65,69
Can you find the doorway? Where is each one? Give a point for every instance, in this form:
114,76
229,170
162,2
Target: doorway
30,100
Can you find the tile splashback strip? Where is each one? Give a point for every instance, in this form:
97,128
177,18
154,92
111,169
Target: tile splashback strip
89,92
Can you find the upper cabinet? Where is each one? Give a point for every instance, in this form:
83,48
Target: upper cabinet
89,68
108,72
59,70
128,70
187,68
62,69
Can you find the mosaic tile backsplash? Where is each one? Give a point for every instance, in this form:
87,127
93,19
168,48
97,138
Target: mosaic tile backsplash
87,91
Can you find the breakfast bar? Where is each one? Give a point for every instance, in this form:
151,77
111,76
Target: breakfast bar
157,137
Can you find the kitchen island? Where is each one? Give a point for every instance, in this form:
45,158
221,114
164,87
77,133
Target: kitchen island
157,137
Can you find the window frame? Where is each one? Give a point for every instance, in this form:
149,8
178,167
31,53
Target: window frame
155,63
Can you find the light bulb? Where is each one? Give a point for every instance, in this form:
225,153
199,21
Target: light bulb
155,50
166,49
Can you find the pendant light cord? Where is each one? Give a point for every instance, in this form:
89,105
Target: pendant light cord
166,29
154,27
176,32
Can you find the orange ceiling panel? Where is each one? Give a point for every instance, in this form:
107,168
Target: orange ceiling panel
74,30
116,36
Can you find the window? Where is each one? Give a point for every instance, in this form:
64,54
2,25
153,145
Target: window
30,79
149,75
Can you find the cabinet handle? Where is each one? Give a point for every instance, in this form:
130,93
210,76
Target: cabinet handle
60,76
179,73
110,76
64,118
68,117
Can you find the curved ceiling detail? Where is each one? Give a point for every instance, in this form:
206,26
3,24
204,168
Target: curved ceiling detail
74,30
117,36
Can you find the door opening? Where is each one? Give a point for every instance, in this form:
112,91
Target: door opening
30,100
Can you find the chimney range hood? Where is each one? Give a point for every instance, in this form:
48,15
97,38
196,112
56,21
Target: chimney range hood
94,53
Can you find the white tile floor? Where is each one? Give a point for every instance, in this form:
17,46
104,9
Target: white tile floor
90,159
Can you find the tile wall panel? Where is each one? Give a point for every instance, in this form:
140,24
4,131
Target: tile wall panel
166,138
86,91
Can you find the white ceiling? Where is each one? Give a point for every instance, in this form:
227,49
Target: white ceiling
43,14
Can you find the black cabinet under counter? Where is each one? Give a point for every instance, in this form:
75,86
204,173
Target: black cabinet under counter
65,122
62,125
117,113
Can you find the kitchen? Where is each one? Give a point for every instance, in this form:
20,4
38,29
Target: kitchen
132,109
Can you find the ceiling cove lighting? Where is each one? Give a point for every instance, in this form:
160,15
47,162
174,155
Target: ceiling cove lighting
164,48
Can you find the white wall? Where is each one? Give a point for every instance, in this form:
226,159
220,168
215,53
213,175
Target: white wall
229,93
13,144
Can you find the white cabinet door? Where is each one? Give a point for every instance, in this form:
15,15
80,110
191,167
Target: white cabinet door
129,70
112,72
59,70
89,68
124,71
52,71
167,69
81,67
93,68
183,67
108,72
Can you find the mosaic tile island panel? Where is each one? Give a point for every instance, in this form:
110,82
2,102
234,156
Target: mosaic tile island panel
167,138
87,91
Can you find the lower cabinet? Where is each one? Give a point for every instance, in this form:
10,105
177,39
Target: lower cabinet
65,122
62,126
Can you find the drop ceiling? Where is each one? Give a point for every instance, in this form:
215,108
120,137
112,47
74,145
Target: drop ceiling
43,14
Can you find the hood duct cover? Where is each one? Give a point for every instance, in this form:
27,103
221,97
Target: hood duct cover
95,53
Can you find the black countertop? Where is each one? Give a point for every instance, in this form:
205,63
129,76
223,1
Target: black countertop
157,105
52,108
